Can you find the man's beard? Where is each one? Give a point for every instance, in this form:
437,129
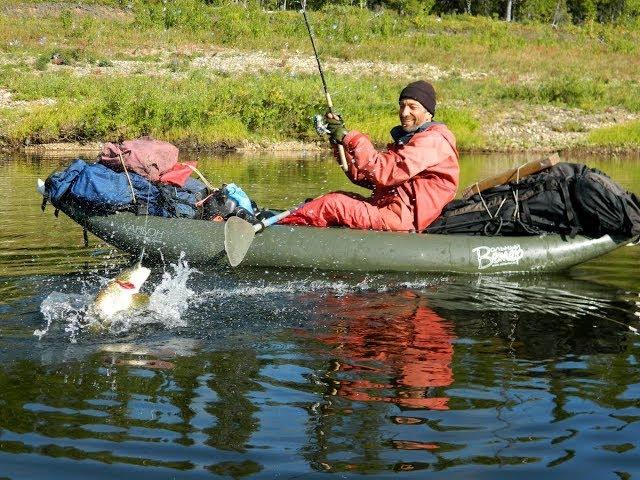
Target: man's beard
410,129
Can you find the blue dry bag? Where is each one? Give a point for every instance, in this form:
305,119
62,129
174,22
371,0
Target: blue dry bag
101,190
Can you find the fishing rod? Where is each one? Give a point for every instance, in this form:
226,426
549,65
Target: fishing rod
303,3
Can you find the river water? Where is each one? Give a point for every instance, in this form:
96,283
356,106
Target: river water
285,374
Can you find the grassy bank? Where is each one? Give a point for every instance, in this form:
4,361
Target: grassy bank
102,72
201,111
626,135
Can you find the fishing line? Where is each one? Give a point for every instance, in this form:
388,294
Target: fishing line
601,316
146,222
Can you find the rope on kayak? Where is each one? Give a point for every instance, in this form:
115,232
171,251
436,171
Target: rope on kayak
516,196
484,204
516,212
202,177
487,227
126,172
493,218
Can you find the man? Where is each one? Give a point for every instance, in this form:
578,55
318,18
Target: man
411,181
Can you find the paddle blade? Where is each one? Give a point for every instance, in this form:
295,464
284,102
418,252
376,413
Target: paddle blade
238,236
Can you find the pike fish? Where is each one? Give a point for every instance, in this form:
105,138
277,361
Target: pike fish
121,293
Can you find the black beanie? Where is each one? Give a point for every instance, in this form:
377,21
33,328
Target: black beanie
422,92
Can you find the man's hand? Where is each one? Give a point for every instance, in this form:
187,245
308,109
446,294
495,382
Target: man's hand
336,128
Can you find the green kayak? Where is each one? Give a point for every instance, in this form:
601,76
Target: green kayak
202,242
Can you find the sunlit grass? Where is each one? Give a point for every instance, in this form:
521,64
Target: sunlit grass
202,110
457,41
589,67
625,135
588,93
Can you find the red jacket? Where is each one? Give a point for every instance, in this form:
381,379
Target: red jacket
415,180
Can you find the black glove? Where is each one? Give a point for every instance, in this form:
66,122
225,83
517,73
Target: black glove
337,130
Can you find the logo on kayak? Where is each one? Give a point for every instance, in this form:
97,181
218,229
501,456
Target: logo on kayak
150,234
498,256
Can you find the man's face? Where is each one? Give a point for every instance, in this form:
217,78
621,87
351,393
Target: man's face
412,114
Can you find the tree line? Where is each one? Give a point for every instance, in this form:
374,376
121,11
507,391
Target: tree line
546,11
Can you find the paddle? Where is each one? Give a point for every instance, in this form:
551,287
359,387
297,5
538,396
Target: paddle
513,174
239,234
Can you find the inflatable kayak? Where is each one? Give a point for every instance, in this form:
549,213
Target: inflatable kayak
202,242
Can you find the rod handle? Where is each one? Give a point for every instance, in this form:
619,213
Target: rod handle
329,102
343,158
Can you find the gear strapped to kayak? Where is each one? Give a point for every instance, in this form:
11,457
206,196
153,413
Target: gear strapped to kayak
99,190
567,198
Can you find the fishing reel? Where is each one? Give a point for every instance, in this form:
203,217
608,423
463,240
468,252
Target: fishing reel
320,124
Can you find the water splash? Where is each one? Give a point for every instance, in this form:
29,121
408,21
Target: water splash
68,309
171,297
168,302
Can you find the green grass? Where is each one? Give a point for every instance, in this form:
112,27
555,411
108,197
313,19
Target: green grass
465,125
575,91
455,40
522,66
202,110
624,135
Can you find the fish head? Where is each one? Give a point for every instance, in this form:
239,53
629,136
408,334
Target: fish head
131,280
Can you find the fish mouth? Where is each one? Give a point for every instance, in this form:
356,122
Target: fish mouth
134,278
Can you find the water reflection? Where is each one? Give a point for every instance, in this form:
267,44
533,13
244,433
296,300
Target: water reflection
541,317
99,409
367,375
408,372
405,342
284,373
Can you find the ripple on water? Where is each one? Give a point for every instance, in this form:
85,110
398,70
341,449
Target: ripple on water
260,373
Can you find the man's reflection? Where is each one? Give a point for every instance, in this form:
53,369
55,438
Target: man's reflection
393,349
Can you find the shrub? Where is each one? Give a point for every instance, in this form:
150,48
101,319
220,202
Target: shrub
42,61
571,91
66,19
188,14
569,126
464,125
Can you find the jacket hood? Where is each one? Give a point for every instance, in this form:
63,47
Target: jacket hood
442,129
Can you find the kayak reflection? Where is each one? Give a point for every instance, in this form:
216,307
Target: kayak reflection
390,349
447,372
